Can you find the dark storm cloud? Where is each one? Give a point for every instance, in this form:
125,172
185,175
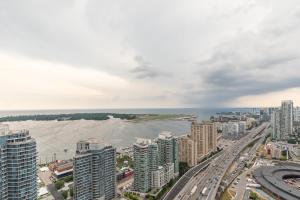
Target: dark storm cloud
239,69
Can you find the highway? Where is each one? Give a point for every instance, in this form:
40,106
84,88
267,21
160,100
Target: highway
188,176
231,155
211,177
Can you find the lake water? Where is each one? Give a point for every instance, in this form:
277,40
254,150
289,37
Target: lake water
54,136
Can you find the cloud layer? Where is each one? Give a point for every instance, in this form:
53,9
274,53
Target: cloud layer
147,54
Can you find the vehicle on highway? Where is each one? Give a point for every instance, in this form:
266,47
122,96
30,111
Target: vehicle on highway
194,189
204,191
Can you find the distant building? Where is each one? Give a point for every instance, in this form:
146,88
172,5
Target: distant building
230,130
168,150
242,127
297,114
286,118
187,150
204,134
275,123
250,122
4,129
234,129
94,171
18,166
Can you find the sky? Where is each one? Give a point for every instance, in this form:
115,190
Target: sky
148,54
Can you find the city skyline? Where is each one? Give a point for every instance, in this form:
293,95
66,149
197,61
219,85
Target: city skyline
91,54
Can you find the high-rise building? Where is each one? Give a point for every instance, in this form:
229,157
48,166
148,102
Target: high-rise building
145,155
187,150
94,171
155,162
168,150
286,118
18,166
205,136
297,114
275,123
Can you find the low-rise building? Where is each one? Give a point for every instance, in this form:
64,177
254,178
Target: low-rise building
61,168
234,129
158,178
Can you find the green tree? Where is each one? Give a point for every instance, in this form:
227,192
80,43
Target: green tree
68,178
183,167
71,192
65,194
59,184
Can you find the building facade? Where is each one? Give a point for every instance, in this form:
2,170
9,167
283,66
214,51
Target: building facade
187,150
158,178
145,155
234,129
297,114
18,170
168,150
275,122
154,162
94,171
286,118
205,136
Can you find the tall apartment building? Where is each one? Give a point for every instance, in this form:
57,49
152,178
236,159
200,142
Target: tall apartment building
155,162
297,114
168,150
205,136
187,150
275,122
94,171
145,155
286,118
18,166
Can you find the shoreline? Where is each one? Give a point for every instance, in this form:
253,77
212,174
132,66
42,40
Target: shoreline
135,118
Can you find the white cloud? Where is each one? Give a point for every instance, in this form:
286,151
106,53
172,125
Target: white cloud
76,54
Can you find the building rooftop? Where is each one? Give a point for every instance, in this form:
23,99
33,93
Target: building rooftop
143,142
165,135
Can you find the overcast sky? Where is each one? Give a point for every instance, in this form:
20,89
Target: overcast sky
127,54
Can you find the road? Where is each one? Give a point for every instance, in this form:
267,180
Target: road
52,189
45,178
211,177
234,153
241,186
188,176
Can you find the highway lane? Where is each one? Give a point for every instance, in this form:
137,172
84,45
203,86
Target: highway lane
188,176
212,176
257,133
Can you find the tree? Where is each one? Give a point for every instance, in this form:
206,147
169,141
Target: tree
65,194
183,167
68,178
253,195
59,184
71,192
